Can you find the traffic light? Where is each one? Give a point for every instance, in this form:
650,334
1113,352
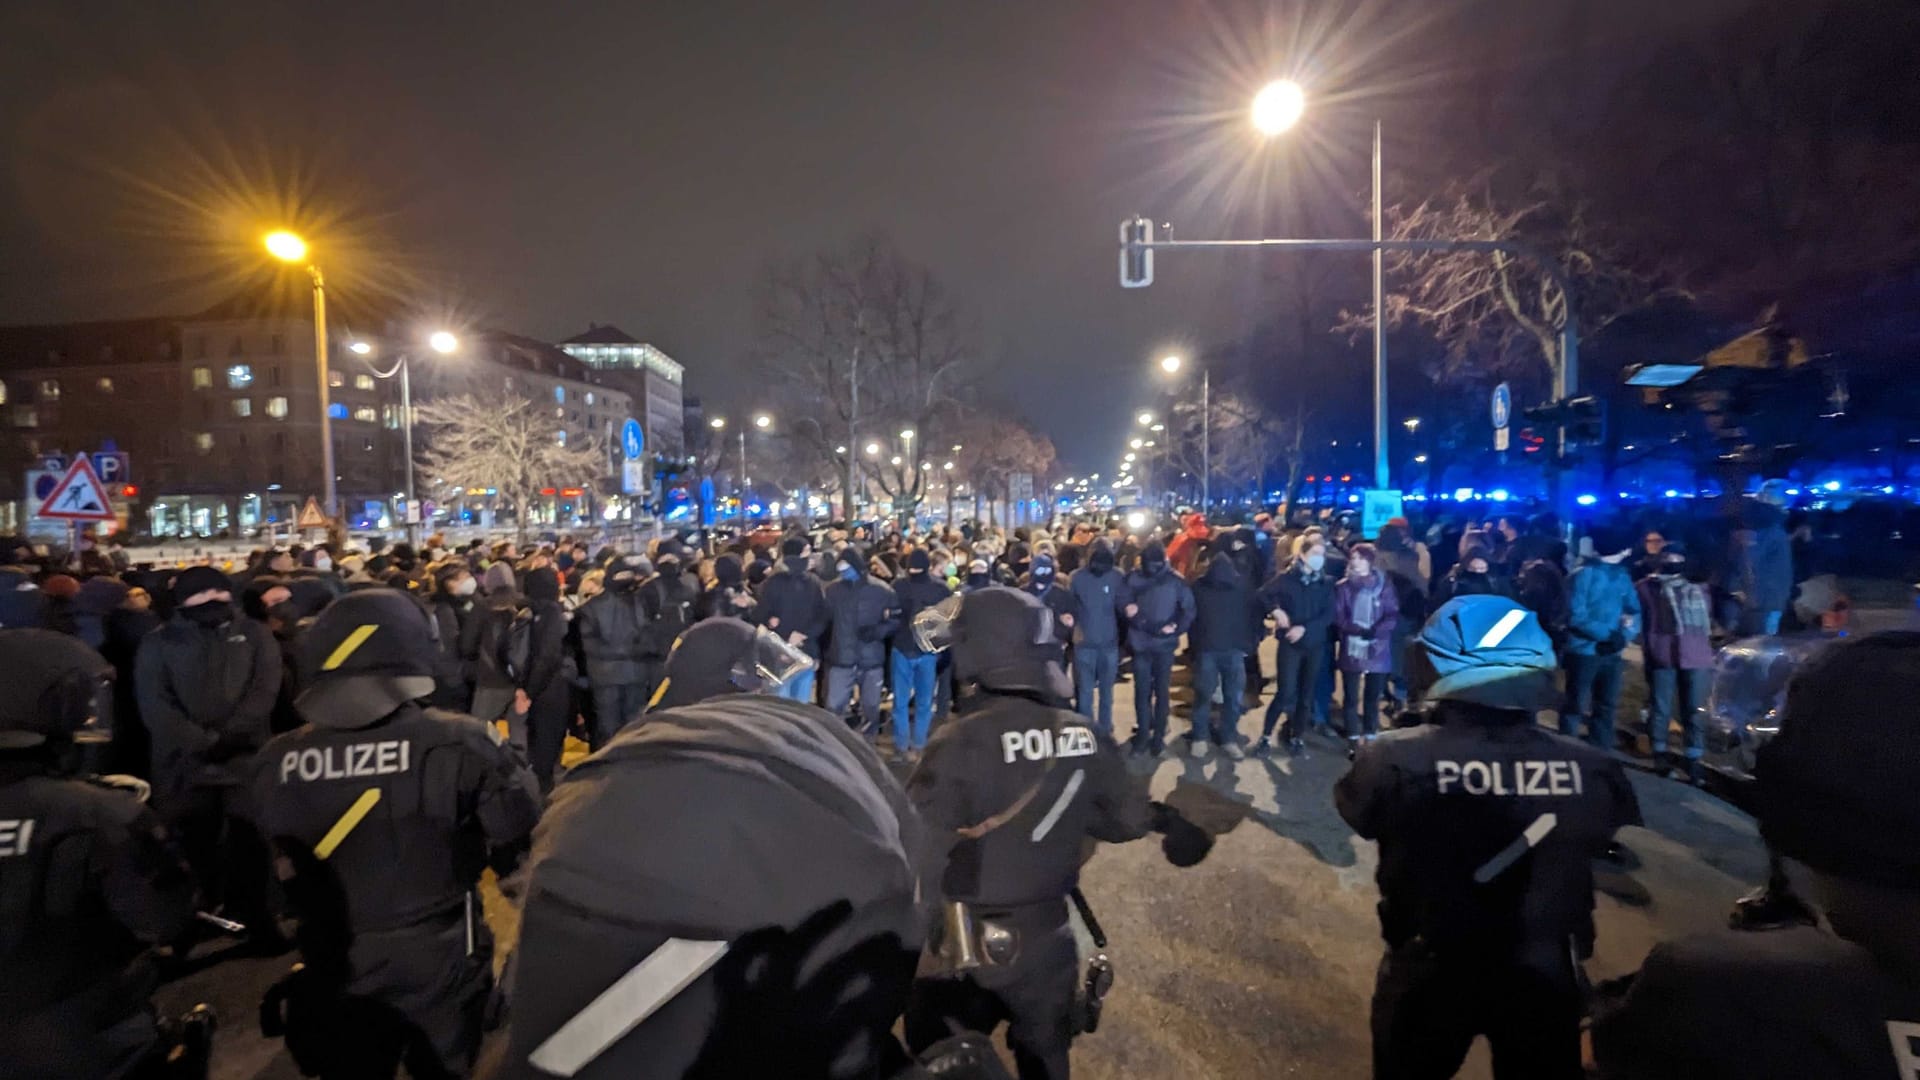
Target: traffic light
1136,260
1587,421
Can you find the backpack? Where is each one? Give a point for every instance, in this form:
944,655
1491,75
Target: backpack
512,641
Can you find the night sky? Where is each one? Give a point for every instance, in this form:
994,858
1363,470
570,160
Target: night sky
537,166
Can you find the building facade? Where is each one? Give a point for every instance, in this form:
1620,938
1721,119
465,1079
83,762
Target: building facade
650,376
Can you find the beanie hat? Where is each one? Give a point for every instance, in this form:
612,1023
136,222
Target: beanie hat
195,580
918,561
792,547
1839,786
850,557
1486,650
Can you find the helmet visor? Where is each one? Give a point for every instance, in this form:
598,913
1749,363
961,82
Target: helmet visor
769,663
933,626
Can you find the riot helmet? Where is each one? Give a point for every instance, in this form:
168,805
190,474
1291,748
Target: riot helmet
367,654
1002,639
727,656
53,690
1487,651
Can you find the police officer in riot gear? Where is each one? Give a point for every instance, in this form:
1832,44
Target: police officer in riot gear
383,814
1010,790
1487,825
1836,994
89,879
771,933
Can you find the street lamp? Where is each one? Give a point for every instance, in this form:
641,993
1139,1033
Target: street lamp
873,449
289,248
1278,106
763,421
442,342
718,423
1137,443
906,435
1171,364
1145,418
1411,423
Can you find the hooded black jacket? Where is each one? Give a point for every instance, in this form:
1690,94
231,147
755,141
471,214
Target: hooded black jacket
1226,611
206,697
915,592
862,616
792,601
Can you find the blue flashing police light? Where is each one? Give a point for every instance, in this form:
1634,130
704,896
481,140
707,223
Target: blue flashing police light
1499,495
1462,494
1672,494
1832,485
1587,500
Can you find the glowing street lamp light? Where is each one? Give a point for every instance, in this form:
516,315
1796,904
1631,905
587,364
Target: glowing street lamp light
1170,363
1278,106
718,423
442,342
286,246
873,449
1137,443
1411,423
1145,418
763,421
906,435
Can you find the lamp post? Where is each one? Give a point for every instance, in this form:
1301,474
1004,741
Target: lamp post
1276,108
442,342
1171,364
289,248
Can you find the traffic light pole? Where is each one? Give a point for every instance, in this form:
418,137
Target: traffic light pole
1137,248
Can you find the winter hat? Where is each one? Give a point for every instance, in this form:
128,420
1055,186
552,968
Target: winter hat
850,557
793,547
918,561
61,586
1042,568
1486,650
977,566
543,584
1839,786
195,580
727,570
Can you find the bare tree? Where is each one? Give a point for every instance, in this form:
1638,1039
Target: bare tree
1498,314
997,447
864,345
503,442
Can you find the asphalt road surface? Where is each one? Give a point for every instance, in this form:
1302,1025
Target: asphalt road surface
1260,961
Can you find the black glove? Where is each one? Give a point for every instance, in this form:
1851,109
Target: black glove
1612,645
228,747
1183,842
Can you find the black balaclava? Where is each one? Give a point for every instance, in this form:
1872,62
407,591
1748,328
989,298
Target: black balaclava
1153,559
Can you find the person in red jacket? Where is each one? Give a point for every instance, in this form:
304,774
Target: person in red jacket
1185,548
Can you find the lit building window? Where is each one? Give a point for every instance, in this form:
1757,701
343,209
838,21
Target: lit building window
239,376
365,414
390,417
337,411
103,384
560,395
26,416
363,382
589,397
203,442
3,392
202,378
560,437
50,389
277,408
242,406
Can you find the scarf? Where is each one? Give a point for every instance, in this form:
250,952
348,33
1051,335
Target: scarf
1366,611
1688,604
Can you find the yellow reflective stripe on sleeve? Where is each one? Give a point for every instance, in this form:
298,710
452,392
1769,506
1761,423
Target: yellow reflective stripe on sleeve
658,693
356,813
354,641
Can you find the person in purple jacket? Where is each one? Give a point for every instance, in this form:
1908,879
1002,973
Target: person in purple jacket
1365,611
1677,645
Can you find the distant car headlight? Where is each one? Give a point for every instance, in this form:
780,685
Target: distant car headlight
1136,520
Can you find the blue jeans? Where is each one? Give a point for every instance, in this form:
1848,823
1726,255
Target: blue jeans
1152,679
1671,687
1593,695
1323,692
913,679
1094,669
799,688
1227,673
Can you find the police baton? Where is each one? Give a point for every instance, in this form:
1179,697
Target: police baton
1086,916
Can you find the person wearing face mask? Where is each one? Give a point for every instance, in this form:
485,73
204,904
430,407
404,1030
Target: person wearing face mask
1102,603
793,604
1676,644
915,670
207,682
459,624
609,627
862,615
1301,598
1472,576
667,603
1160,612
979,576
542,692
1603,615
1043,582
1365,610
728,596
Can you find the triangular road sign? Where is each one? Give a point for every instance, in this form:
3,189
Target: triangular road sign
310,515
78,496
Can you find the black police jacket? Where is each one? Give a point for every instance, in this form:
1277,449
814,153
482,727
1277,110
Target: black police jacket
1042,779
389,825
206,698
1487,832
609,627
861,616
1754,1005
88,880
792,601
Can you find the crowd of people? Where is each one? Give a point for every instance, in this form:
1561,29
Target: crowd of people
227,690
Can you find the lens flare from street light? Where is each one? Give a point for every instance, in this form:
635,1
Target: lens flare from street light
1278,106
359,348
443,342
1145,418
1170,363
286,246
